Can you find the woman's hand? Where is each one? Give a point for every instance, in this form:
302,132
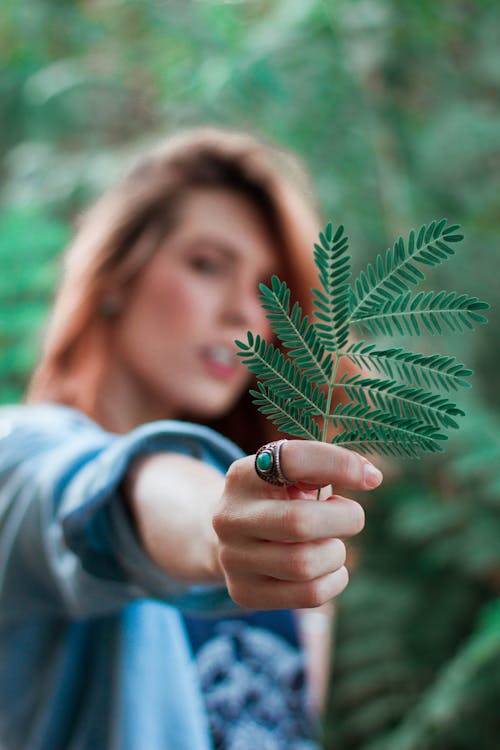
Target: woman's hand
278,547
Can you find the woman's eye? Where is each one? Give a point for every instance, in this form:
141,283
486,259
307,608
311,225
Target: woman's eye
207,265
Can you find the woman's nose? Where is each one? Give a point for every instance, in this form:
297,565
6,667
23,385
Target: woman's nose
243,306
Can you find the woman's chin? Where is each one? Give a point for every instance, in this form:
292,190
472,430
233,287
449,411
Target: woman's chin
208,412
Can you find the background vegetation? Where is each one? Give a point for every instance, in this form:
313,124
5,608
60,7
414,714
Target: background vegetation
393,105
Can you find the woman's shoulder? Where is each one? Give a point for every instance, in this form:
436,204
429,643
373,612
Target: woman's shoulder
31,429
45,415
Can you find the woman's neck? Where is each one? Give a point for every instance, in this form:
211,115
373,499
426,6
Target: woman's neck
123,405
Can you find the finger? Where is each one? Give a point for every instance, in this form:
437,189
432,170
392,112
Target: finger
287,562
319,464
267,593
290,520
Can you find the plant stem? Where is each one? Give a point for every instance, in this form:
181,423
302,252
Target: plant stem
331,387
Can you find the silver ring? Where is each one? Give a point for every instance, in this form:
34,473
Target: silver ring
268,464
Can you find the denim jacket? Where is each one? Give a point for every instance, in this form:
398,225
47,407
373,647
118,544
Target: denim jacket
93,650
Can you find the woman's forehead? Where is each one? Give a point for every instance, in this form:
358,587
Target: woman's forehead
226,222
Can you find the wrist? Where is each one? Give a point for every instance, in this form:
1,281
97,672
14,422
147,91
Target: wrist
171,498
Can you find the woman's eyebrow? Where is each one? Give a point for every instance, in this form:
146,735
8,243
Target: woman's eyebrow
220,246
229,252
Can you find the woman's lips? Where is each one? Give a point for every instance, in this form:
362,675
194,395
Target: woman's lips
221,361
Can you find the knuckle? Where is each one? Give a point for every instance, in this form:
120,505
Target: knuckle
357,517
237,594
341,581
345,463
339,552
242,594
236,473
296,521
313,594
302,564
221,522
226,558
324,589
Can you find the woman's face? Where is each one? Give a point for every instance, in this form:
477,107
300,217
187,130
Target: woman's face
174,351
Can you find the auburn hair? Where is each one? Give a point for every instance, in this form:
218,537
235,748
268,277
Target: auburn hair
117,236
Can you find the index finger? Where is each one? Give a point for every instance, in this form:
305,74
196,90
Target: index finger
319,464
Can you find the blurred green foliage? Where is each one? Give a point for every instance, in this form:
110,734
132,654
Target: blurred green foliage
418,644
394,106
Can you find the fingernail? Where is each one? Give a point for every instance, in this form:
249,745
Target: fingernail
372,476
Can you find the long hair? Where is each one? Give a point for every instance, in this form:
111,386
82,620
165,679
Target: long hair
123,229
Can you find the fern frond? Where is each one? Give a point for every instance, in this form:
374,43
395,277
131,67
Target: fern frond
401,409
433,311
423,370
295,331
284,414
397,271
402,401
376,426
332,305
281,374
369,442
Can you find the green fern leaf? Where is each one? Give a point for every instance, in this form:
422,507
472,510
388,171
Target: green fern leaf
295,332
332,304
402,401
424,370
281,374
397,271
431,311
368,442
284,414
384,428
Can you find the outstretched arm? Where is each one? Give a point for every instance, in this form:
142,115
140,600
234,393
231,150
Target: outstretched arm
67,543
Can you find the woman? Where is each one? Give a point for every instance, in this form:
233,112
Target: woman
128,513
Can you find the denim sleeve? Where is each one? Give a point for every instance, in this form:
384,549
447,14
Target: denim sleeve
67,544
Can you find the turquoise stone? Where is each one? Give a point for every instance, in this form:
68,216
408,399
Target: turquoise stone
264,461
